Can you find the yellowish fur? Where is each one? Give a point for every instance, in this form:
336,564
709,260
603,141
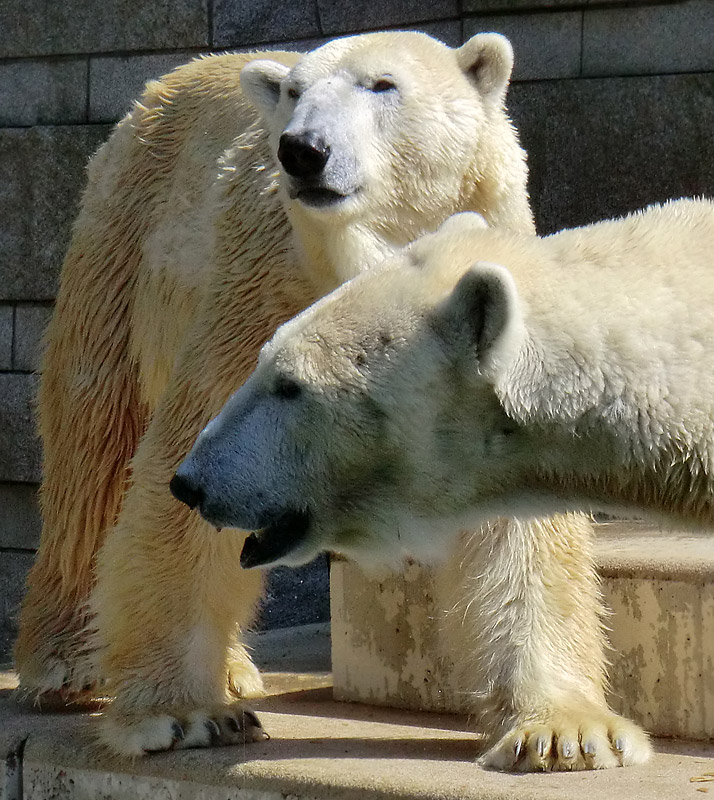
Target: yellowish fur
119,324
183,262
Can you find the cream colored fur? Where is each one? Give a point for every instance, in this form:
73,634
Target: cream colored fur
483,373
186,256
579,369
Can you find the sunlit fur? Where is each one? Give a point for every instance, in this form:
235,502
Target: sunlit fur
185,257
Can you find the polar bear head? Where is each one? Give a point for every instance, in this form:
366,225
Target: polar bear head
392,133
373,418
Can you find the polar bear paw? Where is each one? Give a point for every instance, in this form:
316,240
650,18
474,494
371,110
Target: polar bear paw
570,742
52,684
137,735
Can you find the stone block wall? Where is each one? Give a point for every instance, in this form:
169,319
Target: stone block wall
614,100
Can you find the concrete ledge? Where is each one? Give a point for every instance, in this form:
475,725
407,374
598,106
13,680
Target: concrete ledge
320,750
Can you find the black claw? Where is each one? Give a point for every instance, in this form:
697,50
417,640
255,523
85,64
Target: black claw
254,721
232,724
213,730
177,732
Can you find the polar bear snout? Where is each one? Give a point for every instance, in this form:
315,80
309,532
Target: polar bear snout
186,489
303,155
189,487
277,533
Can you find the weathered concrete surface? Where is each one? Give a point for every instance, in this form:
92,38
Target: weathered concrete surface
7,317
386,647
296,596
360,15
385,640
20,458
598,148
481,6
30,324
14,567
42,172
545,45
38,92
242,22
19,516
46,27
651,38
321,750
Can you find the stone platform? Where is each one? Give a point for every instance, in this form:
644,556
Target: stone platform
320,750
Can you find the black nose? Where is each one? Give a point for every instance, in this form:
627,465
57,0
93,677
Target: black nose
185,490
303,155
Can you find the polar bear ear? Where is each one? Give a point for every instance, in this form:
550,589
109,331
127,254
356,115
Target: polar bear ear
260,81
483,312
487,61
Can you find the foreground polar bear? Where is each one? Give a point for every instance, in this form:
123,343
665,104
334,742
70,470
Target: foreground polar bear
191,248
481,373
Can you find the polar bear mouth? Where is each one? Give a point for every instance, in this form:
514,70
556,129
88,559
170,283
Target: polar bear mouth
276,540
320,197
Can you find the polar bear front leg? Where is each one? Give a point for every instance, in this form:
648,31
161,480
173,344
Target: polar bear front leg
525,596
169,600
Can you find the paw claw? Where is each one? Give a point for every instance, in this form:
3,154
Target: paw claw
252,719
177,732
542,746
518,747
214,731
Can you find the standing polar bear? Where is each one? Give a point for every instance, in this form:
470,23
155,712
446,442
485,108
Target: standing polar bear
480,373
216,211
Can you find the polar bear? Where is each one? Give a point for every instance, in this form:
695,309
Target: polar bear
213,214
481,373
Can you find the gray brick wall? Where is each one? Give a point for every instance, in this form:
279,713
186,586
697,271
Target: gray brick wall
614,99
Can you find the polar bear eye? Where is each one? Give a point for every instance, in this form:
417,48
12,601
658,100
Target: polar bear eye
383,85
293,93
287,388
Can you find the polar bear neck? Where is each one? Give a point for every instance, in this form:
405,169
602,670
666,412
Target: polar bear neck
496,184
613,387
331,255
614,454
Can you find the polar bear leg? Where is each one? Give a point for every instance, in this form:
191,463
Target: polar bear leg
87,451
91,418
524,596
169,600
170,596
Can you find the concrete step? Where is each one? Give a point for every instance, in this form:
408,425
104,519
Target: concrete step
320,750
659,585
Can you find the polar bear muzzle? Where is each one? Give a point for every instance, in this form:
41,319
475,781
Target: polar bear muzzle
275,541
